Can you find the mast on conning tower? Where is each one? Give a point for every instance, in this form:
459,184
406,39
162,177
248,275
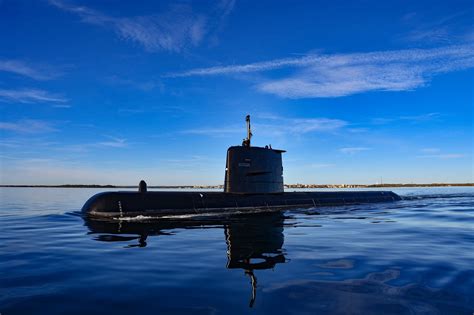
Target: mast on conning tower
246,142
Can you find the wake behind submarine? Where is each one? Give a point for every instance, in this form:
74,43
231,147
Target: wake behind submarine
253,183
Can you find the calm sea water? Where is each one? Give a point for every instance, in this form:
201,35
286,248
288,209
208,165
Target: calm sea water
415,256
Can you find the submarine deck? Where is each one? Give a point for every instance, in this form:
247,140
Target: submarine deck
164,203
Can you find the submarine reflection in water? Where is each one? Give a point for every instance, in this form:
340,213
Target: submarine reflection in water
254,242
255,246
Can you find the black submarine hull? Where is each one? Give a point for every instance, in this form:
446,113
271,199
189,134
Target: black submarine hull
163,203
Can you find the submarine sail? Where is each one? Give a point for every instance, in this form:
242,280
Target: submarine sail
253,170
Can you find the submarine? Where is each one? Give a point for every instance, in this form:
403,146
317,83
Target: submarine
253,183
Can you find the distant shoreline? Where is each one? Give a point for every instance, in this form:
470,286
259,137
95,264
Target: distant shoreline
221,187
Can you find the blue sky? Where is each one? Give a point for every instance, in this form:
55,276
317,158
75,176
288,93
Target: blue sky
111,92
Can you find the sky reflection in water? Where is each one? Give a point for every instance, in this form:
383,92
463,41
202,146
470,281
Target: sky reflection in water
413,256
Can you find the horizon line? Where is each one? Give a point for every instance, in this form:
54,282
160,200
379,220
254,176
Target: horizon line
297,185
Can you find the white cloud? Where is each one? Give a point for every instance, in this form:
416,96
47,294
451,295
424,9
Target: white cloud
444,156
439,35
276,126
430,150
214,131
8,143
335,75
113,142
29,126
301,125
110,143
412,119
190,163
443,29
54,171
422,117
30,96
436,153
27,70
249,68
59,171
146,86
353,150
174,30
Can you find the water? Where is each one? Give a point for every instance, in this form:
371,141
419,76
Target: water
415,256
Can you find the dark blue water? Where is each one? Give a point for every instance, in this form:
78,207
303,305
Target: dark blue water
415,256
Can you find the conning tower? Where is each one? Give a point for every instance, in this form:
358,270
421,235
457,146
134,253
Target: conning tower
253,170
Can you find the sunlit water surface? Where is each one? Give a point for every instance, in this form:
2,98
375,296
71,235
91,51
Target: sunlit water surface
415,256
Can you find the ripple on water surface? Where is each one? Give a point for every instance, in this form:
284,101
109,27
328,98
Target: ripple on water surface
409,257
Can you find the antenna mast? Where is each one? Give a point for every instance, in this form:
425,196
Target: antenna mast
246,142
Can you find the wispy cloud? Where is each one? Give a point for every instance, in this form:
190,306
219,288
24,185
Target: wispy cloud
25,69
129,111
213,131
8,143
335,75
430,150
114,142
28,126
445,156
306,125
174,30
412,118
443,30
353,150
30,96
276,126
248,68
192,160
436,153
146,86
109,142
422,117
